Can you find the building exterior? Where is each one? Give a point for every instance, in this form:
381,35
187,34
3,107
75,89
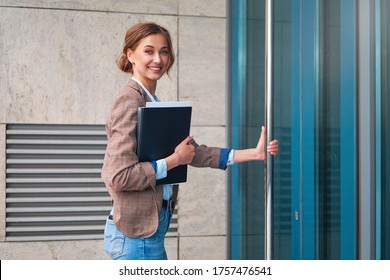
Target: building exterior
330,67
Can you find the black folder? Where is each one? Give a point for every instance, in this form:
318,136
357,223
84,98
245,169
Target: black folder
161,127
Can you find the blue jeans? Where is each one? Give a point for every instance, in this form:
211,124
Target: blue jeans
121,247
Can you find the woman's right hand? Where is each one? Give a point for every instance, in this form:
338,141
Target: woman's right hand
184,154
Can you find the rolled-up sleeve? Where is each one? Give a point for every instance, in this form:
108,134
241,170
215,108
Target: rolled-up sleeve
224,158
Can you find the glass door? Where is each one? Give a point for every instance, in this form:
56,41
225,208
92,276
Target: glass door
314,175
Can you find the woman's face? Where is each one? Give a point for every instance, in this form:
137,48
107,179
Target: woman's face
149,59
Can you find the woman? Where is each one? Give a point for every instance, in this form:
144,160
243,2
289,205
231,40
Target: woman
142,210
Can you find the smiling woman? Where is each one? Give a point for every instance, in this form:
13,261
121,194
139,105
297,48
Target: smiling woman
142,209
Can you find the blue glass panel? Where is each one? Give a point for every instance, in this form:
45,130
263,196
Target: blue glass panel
247,116
385,130
309,91
296,129
348,93
238,34
334,102
378,122
282,98
328,132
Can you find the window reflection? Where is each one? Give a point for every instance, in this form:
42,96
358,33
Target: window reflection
328,131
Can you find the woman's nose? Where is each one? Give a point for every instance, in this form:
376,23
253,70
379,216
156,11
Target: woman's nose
157,58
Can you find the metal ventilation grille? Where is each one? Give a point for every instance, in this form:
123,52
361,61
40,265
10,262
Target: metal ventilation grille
53,185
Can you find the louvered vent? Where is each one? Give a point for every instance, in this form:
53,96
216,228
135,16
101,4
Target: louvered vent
53,185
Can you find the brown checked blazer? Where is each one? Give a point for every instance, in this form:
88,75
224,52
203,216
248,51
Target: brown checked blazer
137,200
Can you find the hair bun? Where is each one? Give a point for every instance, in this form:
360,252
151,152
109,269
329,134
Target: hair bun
124,64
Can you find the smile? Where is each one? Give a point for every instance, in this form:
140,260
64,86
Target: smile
155,68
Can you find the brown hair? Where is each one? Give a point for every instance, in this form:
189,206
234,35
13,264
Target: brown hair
132,38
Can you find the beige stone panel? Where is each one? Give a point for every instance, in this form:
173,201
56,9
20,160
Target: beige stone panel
204,8
59,66
171,246
128,6
53,250
3,112
202,199
203,248
68,250
202,68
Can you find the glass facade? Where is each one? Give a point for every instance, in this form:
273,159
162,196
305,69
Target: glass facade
384,78
316,95
247,83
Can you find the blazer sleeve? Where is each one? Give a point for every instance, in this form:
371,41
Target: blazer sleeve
206,156
121,169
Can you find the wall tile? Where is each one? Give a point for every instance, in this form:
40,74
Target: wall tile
203,248
66,72
124,6
202,200
202,68
54,250
171,246
204,8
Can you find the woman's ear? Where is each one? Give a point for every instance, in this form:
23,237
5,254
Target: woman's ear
130,56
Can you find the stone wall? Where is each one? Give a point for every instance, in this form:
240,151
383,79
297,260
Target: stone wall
58,67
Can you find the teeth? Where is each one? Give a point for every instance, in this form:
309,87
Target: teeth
155,68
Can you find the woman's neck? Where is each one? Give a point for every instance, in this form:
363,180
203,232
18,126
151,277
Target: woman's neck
148,84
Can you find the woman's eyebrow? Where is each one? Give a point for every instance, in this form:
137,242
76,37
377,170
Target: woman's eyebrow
150,46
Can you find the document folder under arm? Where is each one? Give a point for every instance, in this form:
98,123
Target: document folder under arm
160,129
